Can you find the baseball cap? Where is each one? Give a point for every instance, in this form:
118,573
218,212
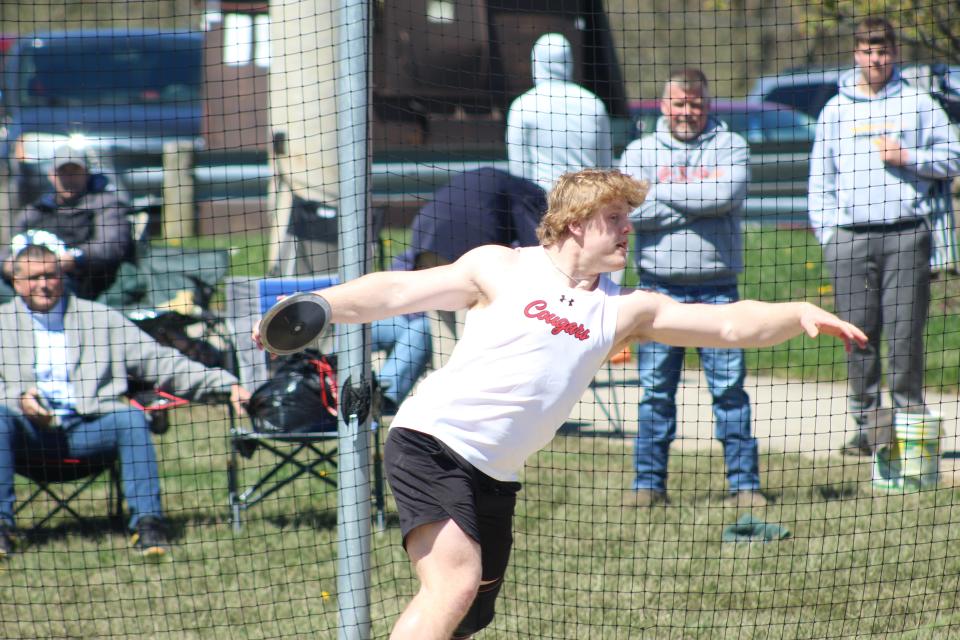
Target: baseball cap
69,154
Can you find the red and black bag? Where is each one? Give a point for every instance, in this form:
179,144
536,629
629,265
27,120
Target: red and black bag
301,397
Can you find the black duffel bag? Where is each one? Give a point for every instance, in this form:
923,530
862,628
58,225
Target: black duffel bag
301,397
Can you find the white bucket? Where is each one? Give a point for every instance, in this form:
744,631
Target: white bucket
918,438
887,474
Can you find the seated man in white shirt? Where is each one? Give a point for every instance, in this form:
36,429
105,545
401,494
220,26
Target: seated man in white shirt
64,373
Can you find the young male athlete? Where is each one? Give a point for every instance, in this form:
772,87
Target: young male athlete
540,323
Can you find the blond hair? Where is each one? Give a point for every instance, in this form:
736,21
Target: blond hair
577,196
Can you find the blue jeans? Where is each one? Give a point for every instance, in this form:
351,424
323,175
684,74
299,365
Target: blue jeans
660,368
409,345
124,432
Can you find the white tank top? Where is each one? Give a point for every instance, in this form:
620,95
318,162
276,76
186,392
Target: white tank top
521,365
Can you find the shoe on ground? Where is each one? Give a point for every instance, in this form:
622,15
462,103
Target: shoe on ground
646,498
150,538
858,446
7,541
747,500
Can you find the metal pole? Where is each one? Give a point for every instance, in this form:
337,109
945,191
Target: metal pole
353,489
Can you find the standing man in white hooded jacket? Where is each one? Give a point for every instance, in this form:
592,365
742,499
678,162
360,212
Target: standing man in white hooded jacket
882,148
556,127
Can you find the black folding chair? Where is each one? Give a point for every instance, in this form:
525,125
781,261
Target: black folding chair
80,474
302,451
48,472
293,416
295,455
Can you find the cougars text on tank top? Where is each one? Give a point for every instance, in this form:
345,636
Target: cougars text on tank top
519,368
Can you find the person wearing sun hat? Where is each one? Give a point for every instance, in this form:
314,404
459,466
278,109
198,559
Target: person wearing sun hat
90,220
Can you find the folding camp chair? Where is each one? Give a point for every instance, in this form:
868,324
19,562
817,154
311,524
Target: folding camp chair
310,454
48,472
296,455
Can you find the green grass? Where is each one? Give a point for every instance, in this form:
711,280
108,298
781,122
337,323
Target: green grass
787,264
248,251
856,565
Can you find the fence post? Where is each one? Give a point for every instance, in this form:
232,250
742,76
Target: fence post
353,486
179,219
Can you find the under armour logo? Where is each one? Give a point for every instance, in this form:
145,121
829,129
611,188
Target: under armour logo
569,301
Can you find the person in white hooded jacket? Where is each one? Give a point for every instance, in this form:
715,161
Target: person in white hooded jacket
882,152
556,127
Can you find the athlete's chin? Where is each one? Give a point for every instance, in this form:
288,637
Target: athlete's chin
617,262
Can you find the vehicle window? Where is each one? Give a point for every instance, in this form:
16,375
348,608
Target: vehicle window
99,71
786,126
808,98
738,123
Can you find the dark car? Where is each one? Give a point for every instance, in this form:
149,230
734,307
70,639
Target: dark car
780,140
122,93
808,90
805,90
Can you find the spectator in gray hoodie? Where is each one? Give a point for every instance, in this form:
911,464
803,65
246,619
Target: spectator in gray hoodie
88,218
689,245
556,127
882,152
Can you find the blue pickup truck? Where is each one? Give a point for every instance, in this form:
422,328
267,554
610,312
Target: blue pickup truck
123,93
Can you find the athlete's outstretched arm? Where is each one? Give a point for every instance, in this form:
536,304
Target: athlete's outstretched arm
384,294
747,323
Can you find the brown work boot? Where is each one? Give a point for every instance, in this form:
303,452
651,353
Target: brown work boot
746,500
646,498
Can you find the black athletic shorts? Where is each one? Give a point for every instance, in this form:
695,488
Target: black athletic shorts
432,483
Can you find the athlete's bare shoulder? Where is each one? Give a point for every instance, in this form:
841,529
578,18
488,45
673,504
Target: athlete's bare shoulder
491,252
491,259
491,267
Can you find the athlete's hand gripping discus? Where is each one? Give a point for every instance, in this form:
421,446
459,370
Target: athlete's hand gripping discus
293,323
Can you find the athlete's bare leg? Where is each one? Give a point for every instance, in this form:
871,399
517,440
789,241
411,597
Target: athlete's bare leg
447,562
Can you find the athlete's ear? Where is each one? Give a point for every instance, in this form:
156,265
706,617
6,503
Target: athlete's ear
576,229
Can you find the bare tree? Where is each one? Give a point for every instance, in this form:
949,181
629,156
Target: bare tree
930,28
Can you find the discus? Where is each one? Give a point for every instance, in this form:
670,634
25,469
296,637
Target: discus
293,323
